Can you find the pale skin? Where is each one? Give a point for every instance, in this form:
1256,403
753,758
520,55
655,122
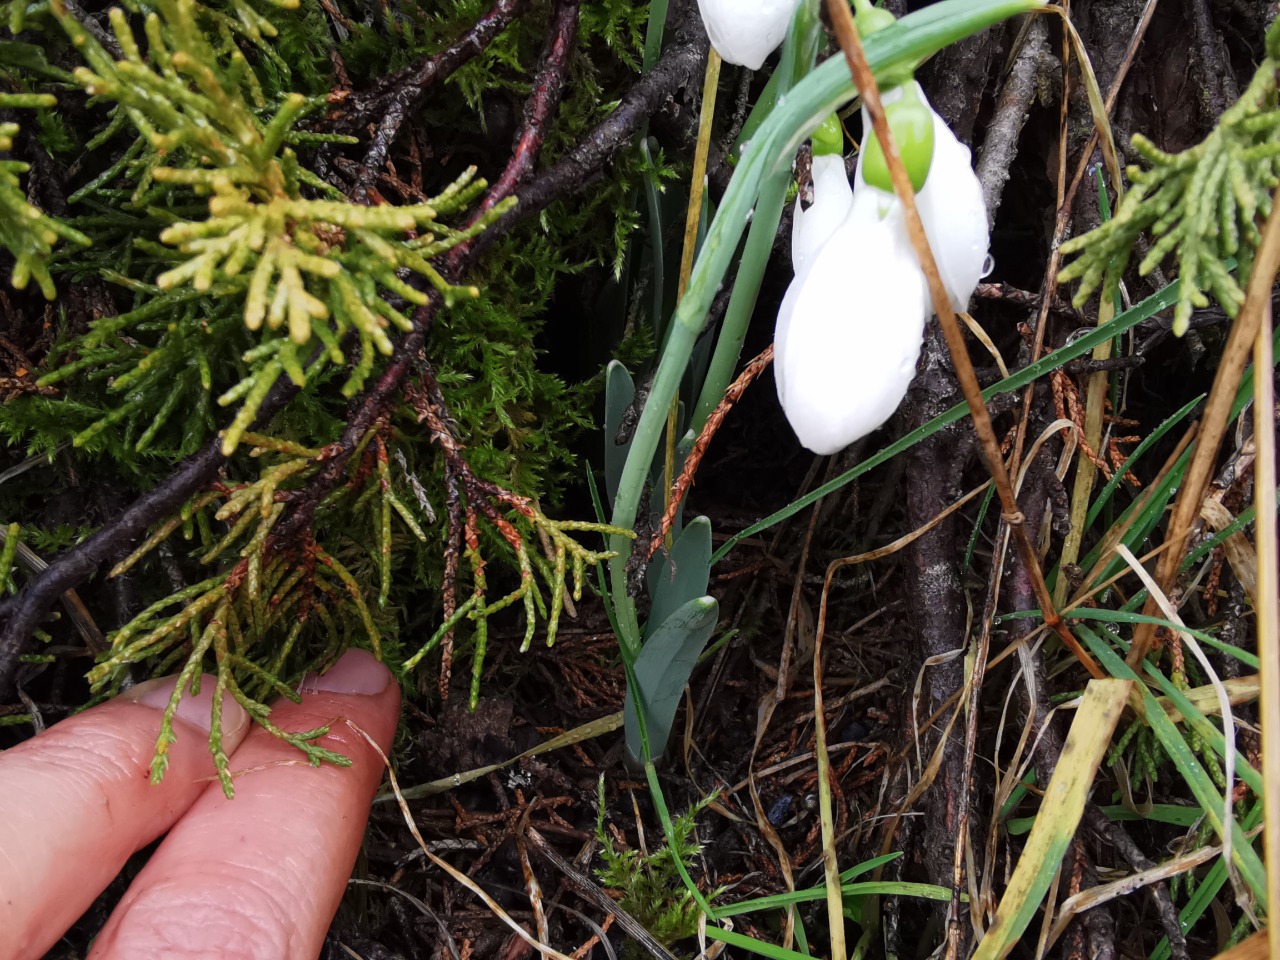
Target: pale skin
253,878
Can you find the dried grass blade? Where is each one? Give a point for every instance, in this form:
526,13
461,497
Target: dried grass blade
1267,603
1060,811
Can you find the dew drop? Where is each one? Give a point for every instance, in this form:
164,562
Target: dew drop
988,265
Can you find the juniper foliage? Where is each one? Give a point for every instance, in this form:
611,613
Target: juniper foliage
194,255
1201,206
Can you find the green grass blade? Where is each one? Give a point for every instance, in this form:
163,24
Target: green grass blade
1197,779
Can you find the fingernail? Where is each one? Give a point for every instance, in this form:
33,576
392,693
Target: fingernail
195,709
357,672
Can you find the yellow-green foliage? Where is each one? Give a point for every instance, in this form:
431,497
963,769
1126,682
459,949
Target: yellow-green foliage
210,262
1201,205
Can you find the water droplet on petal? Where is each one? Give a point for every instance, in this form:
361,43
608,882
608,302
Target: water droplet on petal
988,265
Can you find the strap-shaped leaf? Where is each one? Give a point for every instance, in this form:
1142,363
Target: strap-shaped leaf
619,391
663,668
680,576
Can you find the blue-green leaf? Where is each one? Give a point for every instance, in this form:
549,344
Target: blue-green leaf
619,391
681,576
663,668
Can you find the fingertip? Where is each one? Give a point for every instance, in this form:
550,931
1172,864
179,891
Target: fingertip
195,709
356,673
360,690
78,802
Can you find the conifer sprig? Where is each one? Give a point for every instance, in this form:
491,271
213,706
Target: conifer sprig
517,519
268,595
309,271
1202,205
26,231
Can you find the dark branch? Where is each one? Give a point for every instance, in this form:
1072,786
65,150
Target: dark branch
396,97
23,613
406,88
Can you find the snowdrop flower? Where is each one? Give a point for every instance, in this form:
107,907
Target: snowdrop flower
850,327
745,32
949,200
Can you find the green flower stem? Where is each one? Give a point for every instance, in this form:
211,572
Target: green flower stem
822,91
798,55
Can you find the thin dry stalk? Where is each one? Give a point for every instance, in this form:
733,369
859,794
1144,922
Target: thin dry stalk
864,79
1217,414
1066,198
697,183
1268,600
1013,521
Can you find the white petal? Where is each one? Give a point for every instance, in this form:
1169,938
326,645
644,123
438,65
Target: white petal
951,207
849,334
832,200
955,216
745,32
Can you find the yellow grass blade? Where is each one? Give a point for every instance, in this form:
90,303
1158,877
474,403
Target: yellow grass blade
1060,811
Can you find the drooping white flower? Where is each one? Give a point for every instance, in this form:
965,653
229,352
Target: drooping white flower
745,32
951,205
850,327
849,330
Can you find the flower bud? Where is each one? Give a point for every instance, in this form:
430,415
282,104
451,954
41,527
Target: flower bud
745,32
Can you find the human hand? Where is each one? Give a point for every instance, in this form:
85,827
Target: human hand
259,876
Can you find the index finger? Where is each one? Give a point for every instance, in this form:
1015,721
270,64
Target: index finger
76,802
262,875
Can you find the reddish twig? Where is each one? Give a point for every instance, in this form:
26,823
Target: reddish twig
543,102
685,480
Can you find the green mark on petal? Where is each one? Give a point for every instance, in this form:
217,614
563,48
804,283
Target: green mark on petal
912,125
828,139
